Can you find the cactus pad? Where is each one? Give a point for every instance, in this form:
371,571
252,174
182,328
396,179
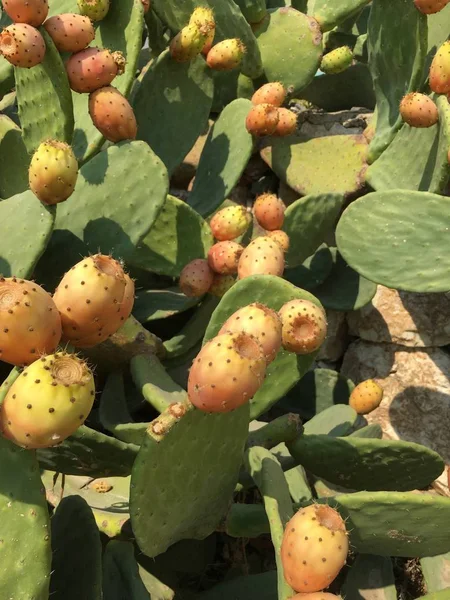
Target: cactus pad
14,159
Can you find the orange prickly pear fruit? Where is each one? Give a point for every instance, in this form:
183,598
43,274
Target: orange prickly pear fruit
263,256
419,110
304,326
366,397
230,222
271,93
269,211
196,278
226,55
262,120
439,78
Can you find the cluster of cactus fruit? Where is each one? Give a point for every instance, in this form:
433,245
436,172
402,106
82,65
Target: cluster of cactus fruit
158,339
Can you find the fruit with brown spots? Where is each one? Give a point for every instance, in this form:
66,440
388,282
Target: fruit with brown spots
93,68
70,32
22,45
196,278
53,172
230,222
32,12
269,211
270,93
418,110
304,326
112,114
226,55
430,7
281,238
287,123
366,397
221,284
263,256
223,257
262,120
439,77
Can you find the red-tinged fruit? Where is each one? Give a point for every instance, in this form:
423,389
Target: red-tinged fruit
366,397
22,45
32,12
48,401
226,55
188,43
90,298
30,322
146,5
259,322
314,548
204,19
419,110
304,326
287,123
112,114
53,172
96,10
269,211
272,93
93,68
70,32
263,256
230,223
430,7
316,596
281,238
223,257
221,284
196,278
262,120
226,373
439,77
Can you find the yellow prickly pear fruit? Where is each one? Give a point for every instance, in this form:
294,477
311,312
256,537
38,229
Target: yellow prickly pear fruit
221,284
53,172
230,222
96,10
304,326
203,17
188,43
226,55
366,397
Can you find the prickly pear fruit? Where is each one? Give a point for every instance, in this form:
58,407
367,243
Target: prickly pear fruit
269,211
48,401
429,7
53,172
281,238
22,45
287,123
226,55
263,256
223,257
259,322
221,284
230,222
96,10
226,373
204,19
272,93
196,278
418,110
188,43
93,68
90,299
337,60
30,322
439,79
146,5
112,114
366,397
304,326
262,119
32,12
314,548
70,32
316,596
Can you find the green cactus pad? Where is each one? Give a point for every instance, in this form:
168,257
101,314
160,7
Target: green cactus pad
89,452
334,421
29,227
414,229
373,575
183,480
77,552
385,48
25,550
14,159
251,587
436,572
118,196
44,99
313,271
308,222
284,372
253,10
6,77
151,305
291,47
121,577
368,464
369,431
332,164
229,85
224,158
160,107
442,595
267,435
329,13
416,158
178,236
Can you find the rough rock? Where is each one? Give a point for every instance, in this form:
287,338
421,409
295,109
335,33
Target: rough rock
403,318
336,341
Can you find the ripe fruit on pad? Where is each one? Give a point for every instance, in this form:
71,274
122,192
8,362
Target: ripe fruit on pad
70,32
223,257
203,17
112,114
226,373
196,278
221,284
32,12
314,548
337,61
48,401
366,397
93,300
439,78
281,238
22,45
260,322
226,55
263,256
30,322
188,43
269,211
146,5
262,119
93,68
418,110
230,222
96,10
270,93
53,172
316,596
304,326
287,123
429,7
